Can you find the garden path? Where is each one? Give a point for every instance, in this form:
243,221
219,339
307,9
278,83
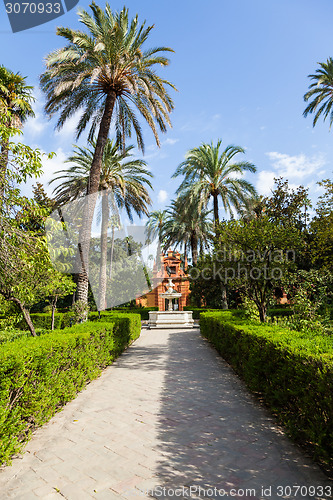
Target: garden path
168,413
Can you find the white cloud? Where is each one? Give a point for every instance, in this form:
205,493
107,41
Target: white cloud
162,196
170,141
51,166
297,169
297,166
265,182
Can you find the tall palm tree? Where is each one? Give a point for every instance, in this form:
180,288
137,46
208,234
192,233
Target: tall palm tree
108,75
15,102
210,173
187,225
154,226
321,93
123,182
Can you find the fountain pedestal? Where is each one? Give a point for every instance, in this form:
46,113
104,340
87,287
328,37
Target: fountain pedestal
170,318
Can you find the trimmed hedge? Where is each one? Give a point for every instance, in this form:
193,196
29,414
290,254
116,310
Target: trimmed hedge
126,324
199,310
10,335
279,312
143,311
43,320
293,371
39,375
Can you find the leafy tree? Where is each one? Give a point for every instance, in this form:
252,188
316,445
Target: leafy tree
24,260
254,257
210,173
15,107
59,286
123,183
106,73
321,228
320,93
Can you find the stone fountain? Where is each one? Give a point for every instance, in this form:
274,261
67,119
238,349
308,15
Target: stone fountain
170,318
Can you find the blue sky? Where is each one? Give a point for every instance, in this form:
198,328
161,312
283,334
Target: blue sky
241,71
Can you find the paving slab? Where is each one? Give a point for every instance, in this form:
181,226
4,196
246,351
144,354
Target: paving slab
169,419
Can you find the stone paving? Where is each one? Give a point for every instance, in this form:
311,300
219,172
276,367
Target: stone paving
168,419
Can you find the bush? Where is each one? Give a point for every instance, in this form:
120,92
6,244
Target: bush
198,310
292,370
39,375
43,320
143,311
279,312
127,326
10,335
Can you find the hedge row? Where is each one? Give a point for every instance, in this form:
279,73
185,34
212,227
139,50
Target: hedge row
39,375
43,320
143,311
125,324
293,372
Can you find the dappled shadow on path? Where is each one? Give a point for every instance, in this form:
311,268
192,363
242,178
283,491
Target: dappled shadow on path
213,434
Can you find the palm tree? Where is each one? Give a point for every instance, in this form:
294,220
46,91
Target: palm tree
154,226
187,225
321,93
211,174
107,74
15,103
123,183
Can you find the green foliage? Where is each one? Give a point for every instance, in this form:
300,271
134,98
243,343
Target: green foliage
80,311
128,325
292,371
10,335
198,310
39,375
43,320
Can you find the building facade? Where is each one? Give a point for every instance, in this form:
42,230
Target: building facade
173,266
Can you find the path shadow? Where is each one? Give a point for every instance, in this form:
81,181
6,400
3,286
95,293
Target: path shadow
213,433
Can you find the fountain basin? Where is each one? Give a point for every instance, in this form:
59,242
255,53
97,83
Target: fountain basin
170,319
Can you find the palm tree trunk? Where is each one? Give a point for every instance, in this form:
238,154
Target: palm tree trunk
216,210
104,248
92,189
194,249
112,250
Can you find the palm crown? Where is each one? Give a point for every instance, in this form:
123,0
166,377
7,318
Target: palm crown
15,96
108,64
210,173
321,93
126,178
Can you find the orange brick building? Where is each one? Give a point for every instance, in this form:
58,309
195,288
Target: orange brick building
171,267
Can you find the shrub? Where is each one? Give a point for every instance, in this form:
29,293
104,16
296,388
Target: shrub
43,320
10,335
39,375
127,326
198,310
292,370
143,311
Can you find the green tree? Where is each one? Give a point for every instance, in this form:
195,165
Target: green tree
15,105
189,225
321,229
254,256
320,93
123,182
107,73
210,173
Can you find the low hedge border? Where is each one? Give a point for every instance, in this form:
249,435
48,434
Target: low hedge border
292,371
144,311
126,324
38,375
